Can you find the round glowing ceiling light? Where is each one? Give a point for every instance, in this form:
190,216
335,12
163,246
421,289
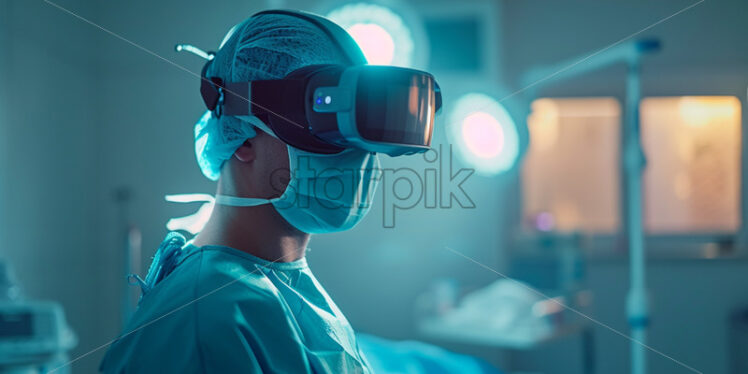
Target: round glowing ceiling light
485,134
380,32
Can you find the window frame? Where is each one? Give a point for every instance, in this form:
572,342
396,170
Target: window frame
707,245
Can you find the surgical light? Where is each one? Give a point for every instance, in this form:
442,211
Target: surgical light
381,33
485,134
376,42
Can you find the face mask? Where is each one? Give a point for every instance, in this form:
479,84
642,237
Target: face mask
326,193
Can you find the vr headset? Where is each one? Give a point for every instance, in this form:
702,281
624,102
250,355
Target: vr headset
328,108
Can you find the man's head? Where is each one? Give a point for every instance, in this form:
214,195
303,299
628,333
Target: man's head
267,46
320,193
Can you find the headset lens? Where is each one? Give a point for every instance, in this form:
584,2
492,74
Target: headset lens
395,106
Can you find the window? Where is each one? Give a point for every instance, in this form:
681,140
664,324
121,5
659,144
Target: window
692,179
571,174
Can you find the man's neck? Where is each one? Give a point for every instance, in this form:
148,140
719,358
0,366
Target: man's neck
257,230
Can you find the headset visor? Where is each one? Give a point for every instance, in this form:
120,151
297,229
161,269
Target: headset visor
395,106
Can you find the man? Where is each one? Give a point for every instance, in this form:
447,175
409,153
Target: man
240,297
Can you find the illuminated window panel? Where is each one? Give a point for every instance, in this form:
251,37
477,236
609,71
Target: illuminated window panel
692,180
570,175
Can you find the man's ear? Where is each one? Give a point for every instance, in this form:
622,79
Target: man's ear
246,153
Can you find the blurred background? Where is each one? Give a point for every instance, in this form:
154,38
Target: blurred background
96,126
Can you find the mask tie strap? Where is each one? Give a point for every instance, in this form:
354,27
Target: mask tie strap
195,222
242,201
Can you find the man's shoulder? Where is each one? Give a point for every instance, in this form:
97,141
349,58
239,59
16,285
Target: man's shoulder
208,297
212,282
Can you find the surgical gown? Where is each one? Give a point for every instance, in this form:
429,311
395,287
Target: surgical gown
222,310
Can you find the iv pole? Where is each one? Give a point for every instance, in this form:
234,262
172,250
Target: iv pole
637,309
632,164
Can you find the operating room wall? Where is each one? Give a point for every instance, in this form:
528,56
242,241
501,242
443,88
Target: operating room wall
49,164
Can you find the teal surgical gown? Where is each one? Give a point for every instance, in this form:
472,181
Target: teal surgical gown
221,310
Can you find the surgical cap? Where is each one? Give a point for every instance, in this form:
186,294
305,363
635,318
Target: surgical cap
267,46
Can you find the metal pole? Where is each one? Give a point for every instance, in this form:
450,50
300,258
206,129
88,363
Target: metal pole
633,164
